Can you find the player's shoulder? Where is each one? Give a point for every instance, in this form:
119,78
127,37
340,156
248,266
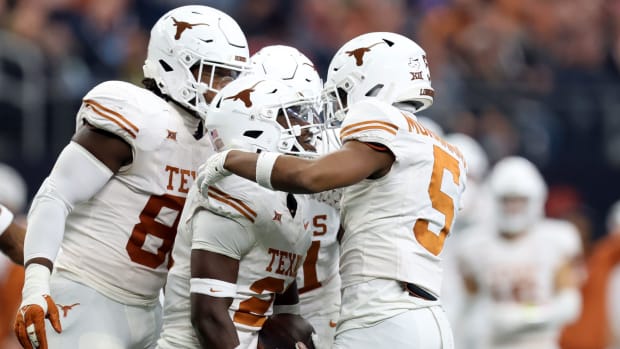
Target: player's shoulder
238,198
560,233
133,113
373,110
371,120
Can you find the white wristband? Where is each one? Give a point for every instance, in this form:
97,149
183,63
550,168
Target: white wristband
6,218
36,281
213,287
264,166
286,309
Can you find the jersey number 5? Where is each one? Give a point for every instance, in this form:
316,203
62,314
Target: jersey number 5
153,222
441,201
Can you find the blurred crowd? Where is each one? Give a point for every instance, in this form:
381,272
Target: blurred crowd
536,78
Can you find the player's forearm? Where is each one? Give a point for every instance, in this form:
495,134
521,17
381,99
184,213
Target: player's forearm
287,172
12,243
215,330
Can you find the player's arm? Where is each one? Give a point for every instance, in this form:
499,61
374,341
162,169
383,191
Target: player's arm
352,163
83,167
11,236
213,285
563,307
217,246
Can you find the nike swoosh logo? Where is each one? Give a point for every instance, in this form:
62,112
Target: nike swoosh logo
212,290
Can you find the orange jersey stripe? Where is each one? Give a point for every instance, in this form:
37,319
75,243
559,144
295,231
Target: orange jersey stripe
384,123
108,110
231,204
217,191
131,133
372,127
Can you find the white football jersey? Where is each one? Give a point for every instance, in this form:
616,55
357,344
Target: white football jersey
321,262
395,226
270,242
319,280
520,270
119,241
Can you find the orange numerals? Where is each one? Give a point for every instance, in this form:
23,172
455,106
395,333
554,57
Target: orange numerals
440,201
252,311
149,225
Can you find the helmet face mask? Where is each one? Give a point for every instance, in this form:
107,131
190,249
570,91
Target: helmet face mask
381,65
258,113
189,49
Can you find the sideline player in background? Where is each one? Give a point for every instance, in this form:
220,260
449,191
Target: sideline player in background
13,199
527,283
477,205
598,324
11,236
319,280
113,200
403,190
240,244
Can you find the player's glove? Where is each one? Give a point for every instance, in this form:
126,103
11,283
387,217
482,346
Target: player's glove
212,171
37,305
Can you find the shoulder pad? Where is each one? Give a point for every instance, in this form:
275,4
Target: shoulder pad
232,198
562,234
135,114
372,121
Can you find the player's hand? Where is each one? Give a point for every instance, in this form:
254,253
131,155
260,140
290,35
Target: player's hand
212,171
37,305
30,321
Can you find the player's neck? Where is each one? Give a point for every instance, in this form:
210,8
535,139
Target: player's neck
192,123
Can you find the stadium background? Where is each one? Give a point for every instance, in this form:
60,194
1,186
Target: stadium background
538,78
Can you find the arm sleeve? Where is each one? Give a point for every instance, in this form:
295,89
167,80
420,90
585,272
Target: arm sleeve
219,234
76,177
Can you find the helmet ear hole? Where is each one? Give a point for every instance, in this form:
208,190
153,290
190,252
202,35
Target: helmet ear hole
374,91
253,133
166,66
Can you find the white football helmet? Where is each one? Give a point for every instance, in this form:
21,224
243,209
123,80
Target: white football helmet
517,177
257,112
475,157
193,36
291,66
384,65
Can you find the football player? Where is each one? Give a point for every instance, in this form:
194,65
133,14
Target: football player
11,236
13,197
113,199
240,245
319,280
477,203
527,283
403,190
12,200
